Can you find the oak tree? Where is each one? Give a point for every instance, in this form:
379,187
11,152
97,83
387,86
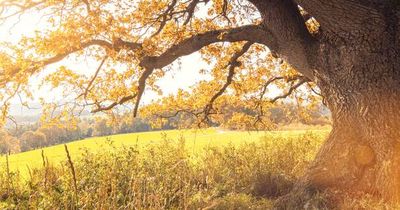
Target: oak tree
349,49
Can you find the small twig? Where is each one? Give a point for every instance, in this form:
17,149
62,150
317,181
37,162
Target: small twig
291,89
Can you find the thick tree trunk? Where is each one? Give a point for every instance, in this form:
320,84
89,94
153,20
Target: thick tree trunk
360,79
355,60
362,152
361,84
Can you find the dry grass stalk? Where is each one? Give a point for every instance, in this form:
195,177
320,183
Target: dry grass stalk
71,166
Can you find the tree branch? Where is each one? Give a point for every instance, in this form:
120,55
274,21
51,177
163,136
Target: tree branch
259,105
291,89
165,17
20,8
141,88
109,107
93,78
265,86
190,11
253,33
233,63
283,19
35,65
195,114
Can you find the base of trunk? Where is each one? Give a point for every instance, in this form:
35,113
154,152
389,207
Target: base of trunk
348,167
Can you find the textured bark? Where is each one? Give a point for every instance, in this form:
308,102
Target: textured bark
282,19
361,82
356,63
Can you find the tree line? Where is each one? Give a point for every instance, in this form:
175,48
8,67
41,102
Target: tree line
36,135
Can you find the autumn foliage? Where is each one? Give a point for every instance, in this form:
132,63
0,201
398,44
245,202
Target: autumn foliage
135,44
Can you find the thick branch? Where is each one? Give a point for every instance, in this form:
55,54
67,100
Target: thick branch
283,19
141,88
190,10
251,33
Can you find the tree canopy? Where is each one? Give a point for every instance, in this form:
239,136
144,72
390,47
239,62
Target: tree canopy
137,42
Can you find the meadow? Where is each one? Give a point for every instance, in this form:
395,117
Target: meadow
195,141
179,169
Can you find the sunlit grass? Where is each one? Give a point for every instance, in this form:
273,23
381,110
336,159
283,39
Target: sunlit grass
183,169
195,140
179,169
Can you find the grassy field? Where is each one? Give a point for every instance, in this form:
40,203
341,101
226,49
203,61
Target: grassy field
195,141
178,169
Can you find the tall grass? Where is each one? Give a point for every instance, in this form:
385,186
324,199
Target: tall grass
165,176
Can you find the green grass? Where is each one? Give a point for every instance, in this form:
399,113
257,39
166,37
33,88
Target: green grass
179,169
195,140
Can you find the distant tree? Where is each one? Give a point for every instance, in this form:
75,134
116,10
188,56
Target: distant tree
139,125
279,115
22,128
8,143
85,128
32,140
74,133
102,128
124,127
54,134
89,132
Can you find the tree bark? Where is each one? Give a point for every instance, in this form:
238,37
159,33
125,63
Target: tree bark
362,153
358,72
360,79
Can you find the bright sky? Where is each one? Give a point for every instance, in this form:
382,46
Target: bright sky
184,77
